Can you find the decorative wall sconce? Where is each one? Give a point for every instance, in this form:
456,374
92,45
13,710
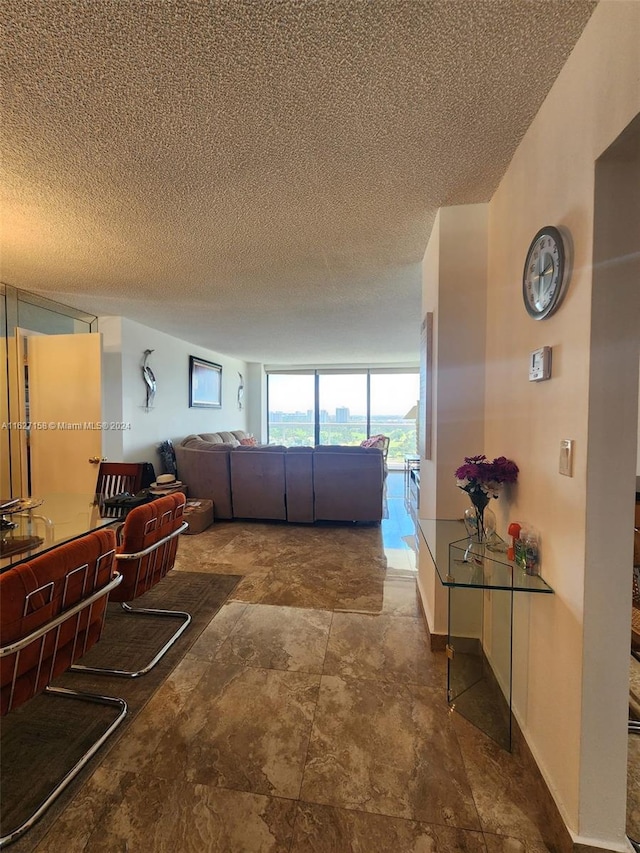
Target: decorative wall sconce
240,391
149,380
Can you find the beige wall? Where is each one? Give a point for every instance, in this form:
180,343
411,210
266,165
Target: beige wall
454,289
569,671
551,180
613,407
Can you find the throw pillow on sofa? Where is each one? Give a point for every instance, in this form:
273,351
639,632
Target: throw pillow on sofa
376,441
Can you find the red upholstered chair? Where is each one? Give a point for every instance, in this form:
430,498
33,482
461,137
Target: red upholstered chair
52,610
148,542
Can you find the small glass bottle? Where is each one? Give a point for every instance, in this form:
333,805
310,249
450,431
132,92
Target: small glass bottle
519,547
531,554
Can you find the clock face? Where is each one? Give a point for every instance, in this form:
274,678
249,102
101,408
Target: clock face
543,274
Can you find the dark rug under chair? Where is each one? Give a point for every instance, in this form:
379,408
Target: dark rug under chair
42,739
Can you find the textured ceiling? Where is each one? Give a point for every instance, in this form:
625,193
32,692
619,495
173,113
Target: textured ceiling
260,176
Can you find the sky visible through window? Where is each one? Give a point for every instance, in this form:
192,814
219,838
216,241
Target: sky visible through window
391,394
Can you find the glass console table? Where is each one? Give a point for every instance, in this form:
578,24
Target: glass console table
481,583
33,525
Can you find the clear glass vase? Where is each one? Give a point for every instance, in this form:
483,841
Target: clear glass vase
480,523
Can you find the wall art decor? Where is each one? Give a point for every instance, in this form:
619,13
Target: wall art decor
205,383
149,380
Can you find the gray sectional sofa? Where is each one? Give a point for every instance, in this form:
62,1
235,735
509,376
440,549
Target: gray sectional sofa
296,484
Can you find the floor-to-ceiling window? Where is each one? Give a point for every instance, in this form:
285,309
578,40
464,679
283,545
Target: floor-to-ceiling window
292,409
342,406
394,411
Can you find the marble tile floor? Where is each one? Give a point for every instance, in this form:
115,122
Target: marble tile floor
309,716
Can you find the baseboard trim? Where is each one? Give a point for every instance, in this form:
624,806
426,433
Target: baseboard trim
556,834
592,845
437,642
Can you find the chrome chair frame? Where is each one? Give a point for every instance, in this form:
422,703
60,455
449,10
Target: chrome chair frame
41,634
145,611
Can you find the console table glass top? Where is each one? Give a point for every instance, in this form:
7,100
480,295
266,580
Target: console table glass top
459,563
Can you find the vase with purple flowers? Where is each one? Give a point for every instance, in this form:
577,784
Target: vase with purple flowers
482,480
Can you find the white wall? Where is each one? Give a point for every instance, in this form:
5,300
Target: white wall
112,440
171,417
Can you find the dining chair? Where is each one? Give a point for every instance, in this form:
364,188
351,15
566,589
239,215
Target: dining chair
53,608
148,543
116,478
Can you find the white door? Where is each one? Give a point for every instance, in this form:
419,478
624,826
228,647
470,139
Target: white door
65,412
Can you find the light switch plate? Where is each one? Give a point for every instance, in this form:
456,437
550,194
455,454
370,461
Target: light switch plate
566,457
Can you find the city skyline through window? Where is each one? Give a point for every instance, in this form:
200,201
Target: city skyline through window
343,408
295,393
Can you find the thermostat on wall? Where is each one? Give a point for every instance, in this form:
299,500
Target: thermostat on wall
540,364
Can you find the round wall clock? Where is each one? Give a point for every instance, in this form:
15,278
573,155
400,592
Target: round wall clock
544,273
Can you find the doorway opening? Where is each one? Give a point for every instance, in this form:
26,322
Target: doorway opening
614,468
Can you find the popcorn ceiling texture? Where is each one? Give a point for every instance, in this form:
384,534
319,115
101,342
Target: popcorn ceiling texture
260,176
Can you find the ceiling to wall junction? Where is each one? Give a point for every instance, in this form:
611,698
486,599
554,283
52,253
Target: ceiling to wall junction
260,178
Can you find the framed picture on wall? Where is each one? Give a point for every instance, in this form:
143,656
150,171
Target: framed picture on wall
205,384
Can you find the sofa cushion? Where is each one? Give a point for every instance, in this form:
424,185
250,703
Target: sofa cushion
260,448
189,438
348,483
258,483
207,476
197,443
232,438
211,437
346,448
229,438
298,467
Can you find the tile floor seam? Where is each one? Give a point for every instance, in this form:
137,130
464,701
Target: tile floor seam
465,765
315,711
293,826
365,813
326,646
196,657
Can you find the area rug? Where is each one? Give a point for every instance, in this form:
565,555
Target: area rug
42,739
